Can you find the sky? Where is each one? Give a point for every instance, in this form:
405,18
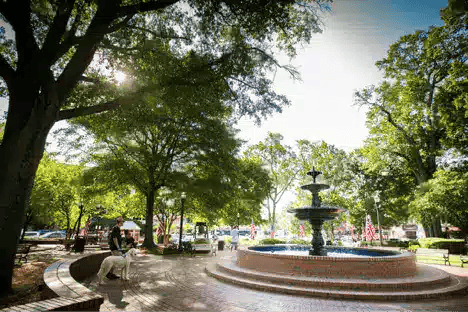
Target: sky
336,63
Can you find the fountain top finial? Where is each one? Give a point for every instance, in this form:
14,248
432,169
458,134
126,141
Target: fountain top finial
314,173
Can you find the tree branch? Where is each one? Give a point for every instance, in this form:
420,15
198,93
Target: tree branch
159,35
145,7
57,29
121,24
26,45
6,71
83,111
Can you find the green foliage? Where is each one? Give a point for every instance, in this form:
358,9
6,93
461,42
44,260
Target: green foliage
241,188
55,194
416,115
300,242
199,241
271,241
436,243
282,168
368,243
445,195
247,242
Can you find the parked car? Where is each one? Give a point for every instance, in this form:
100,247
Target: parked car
42,232
32,234
56,234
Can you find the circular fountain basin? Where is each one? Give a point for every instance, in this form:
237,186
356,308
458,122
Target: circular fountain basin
341,262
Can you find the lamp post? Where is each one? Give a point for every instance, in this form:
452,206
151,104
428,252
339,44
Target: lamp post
238,224
377,203
182,200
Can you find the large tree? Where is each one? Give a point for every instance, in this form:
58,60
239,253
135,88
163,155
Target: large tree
54,43
419,111
281,164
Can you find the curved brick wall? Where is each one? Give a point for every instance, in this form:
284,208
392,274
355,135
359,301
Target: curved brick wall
397,265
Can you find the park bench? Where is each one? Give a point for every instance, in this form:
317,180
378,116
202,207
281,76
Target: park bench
22,252
434,253
187,247
463,259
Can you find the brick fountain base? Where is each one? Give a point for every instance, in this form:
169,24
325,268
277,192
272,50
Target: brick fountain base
390,276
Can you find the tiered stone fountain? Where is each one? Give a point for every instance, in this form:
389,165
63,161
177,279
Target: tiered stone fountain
316,214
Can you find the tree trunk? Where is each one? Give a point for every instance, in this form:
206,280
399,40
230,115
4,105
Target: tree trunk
148,242
78,222
20,153
25,225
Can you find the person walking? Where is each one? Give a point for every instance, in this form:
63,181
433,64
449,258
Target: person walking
115,243
234,237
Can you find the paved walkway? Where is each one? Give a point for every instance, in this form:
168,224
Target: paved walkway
179,283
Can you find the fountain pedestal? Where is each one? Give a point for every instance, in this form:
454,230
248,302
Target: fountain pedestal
318,246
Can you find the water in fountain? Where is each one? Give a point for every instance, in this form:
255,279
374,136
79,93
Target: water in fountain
316,214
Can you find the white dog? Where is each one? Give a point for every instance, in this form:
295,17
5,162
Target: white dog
118,263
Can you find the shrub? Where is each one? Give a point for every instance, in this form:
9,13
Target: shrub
201,241
392,243
271,241
300,241
435,242
403,244
373,243
248,242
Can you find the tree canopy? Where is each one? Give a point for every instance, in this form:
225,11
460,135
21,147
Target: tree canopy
48,48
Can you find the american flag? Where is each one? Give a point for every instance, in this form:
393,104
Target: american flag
370,229
159,230
302,229
252,231
272,234
352,228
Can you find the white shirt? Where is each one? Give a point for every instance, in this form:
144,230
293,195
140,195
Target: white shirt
235,235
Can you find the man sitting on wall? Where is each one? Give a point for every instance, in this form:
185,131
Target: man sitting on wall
115,243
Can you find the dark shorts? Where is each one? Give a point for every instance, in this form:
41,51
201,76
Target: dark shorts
116,253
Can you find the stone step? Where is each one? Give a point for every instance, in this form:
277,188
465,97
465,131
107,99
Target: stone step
457,286
427,278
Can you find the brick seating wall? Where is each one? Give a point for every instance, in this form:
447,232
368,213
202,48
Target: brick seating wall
62,291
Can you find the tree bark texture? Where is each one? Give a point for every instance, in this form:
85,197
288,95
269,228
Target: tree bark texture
20,153
148,242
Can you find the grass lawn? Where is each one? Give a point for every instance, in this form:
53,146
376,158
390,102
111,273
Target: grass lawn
454,260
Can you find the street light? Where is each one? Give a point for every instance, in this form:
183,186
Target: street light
238,215
182,200
377,203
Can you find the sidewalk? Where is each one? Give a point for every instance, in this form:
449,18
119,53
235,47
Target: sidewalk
175,283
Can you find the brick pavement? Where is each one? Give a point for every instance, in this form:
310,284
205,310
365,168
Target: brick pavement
179,283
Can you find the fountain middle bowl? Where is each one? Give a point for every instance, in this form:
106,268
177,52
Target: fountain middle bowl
319,213
373,263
